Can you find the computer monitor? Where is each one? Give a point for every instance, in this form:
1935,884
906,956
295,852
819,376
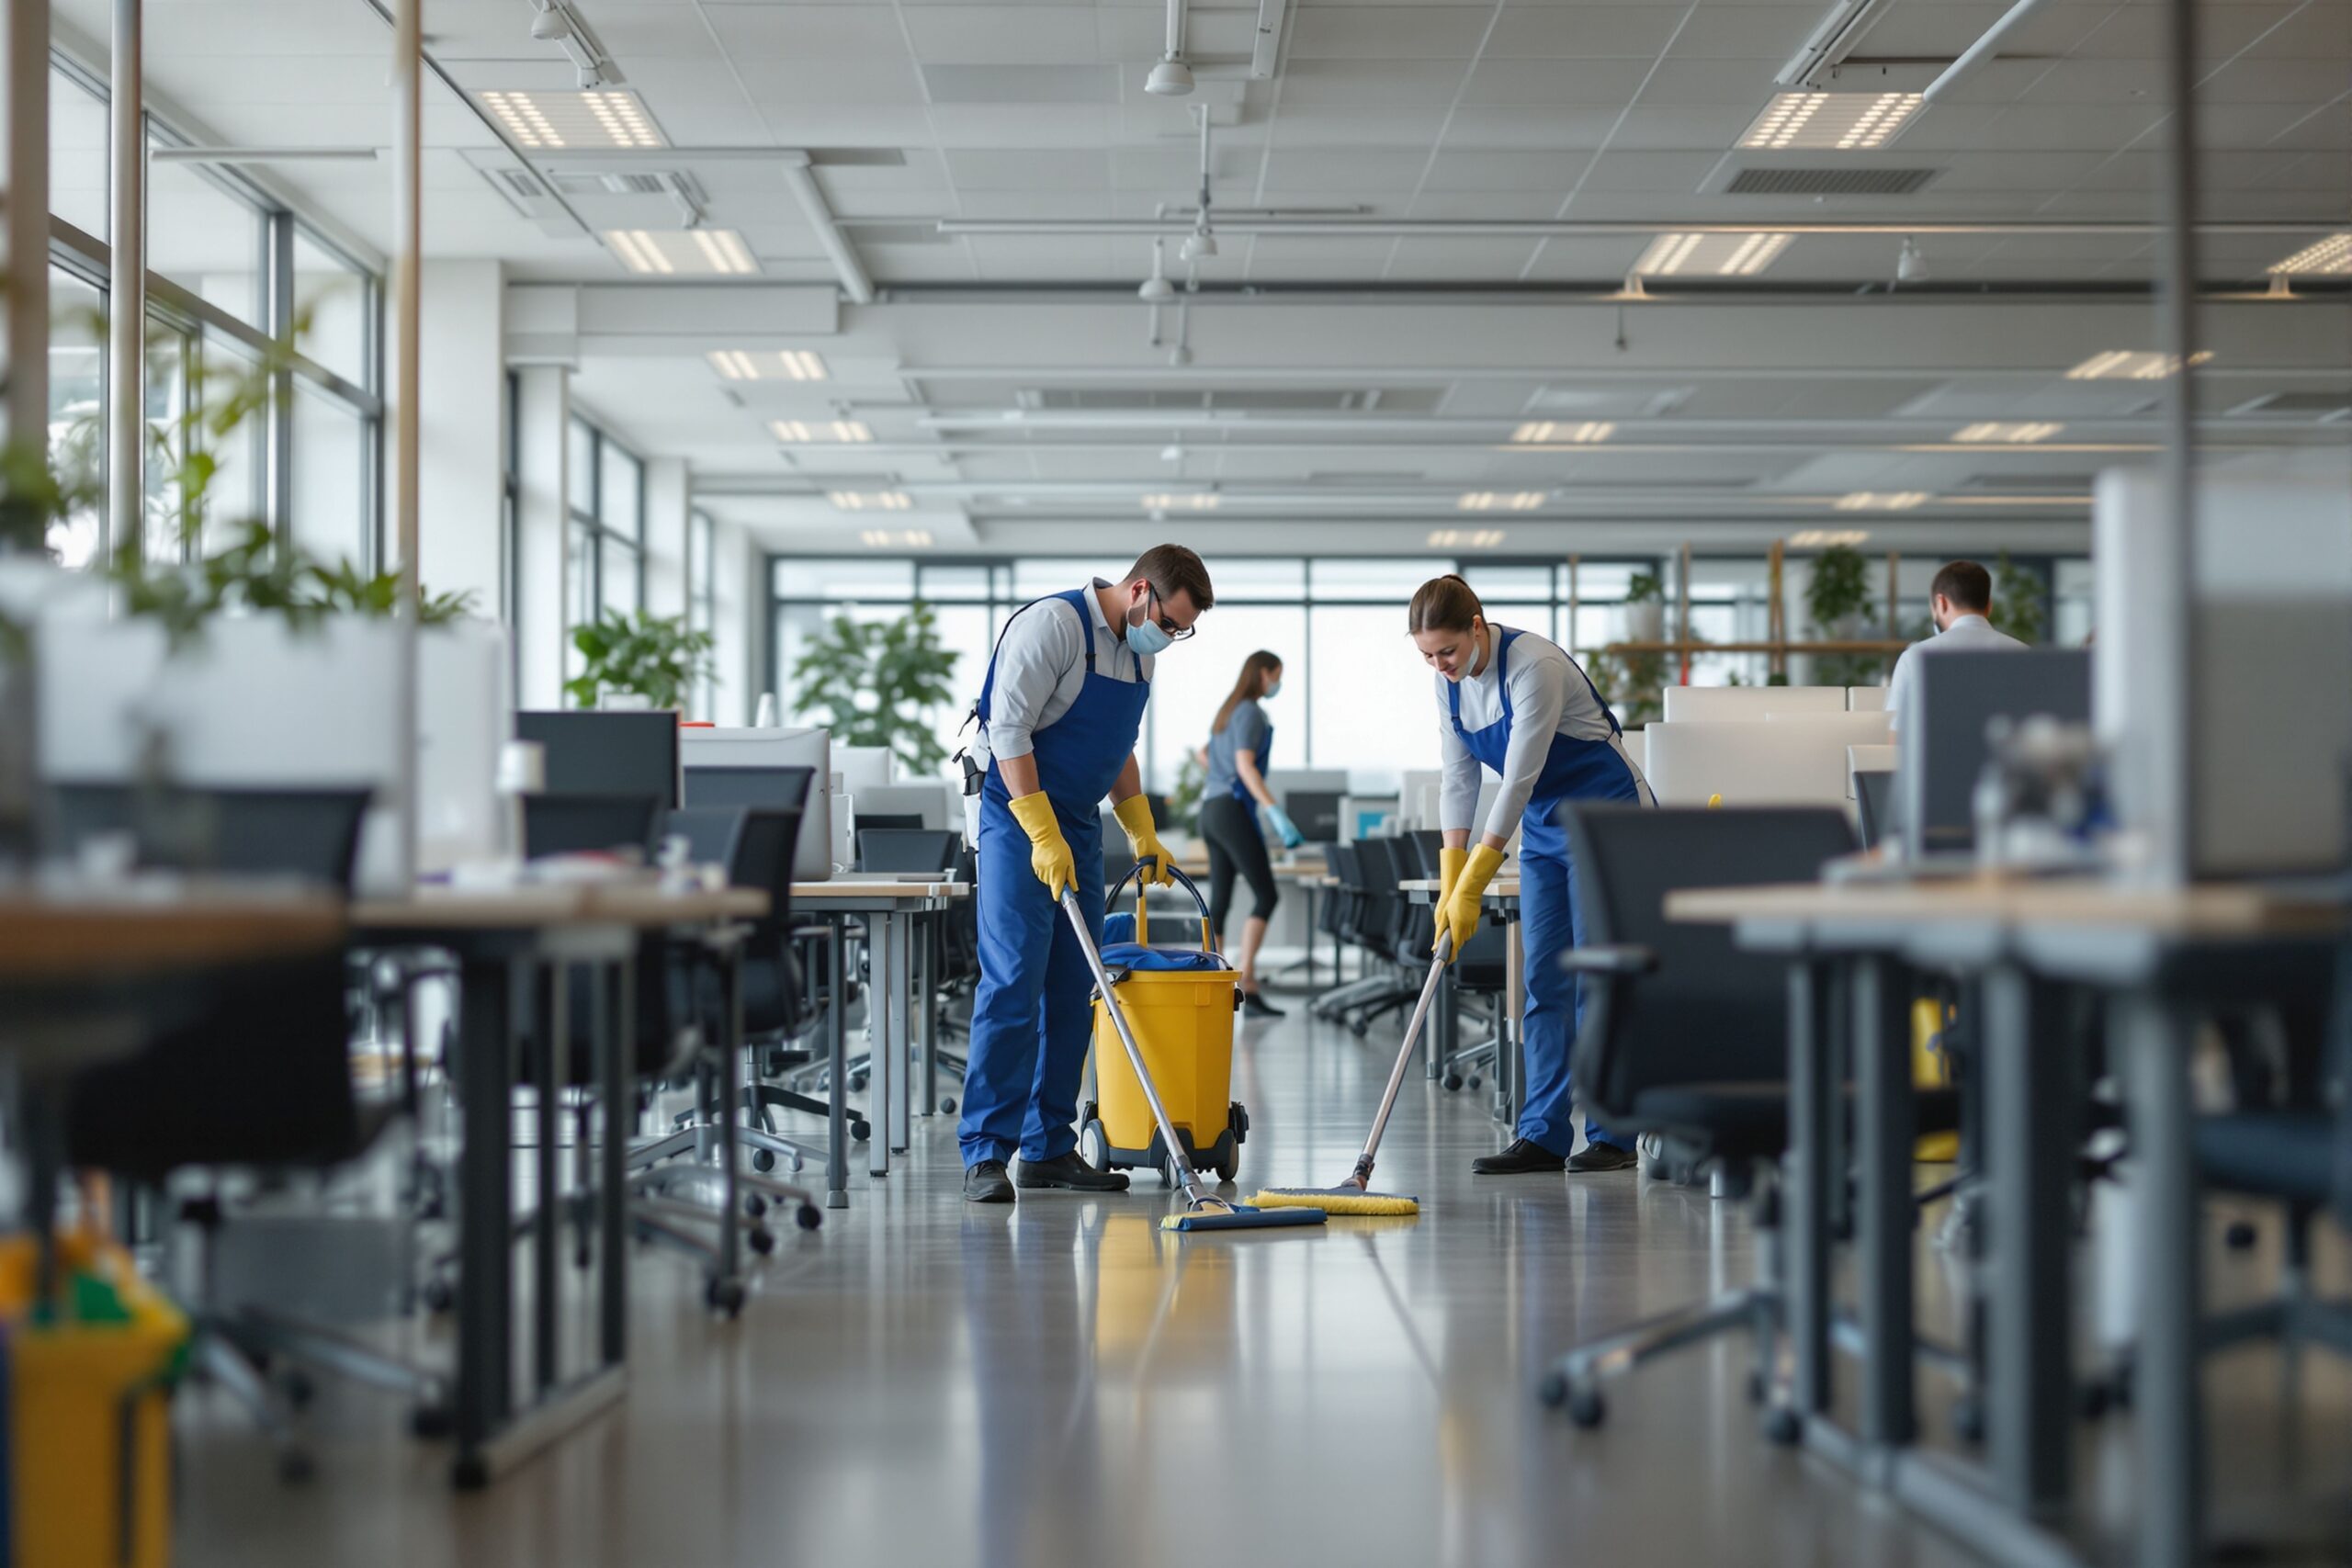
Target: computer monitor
1943,744
807,749
888,822
589,752
930,802
899,851
1316,812
773,788
862,768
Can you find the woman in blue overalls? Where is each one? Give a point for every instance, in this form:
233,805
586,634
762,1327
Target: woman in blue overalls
1517,703
1040,832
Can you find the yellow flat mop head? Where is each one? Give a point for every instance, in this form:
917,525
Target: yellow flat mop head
1336,1201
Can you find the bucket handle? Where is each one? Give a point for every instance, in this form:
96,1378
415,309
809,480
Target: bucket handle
1143,927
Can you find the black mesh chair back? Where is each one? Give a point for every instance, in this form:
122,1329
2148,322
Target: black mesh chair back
1426,843
589,824
1384,907
896,849
309,833
888,822
1712,1012
710,831
763,859
1874,795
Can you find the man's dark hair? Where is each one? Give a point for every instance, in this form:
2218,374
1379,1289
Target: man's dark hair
1966,585
1173,570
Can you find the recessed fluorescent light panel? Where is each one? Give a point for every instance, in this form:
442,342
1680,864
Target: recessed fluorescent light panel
1818,539
1495,501
1465,539
1831,121
1199,501
613,118
767,365
2331,255
681,252
800,432
871,501
897,538
1992,432
1544,432
2126,365
1720,255
1881,501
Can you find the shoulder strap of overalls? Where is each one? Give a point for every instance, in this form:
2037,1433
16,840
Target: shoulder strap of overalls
1085,634
1453,688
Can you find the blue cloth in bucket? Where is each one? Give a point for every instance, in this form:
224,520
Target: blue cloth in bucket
1128,955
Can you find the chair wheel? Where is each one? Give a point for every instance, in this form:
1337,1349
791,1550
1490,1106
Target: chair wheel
470,1473
1553,1390
1452,1080
1473,1080
2091,1401
2241,1236
763,1160
1781,1427
295,1466
762,1239
724,1296
430,1422
1586,1407
947,1108
862,1131
438,1295
1757,1388
754,1205
1968,1421
857,1082
298,1389
808,1216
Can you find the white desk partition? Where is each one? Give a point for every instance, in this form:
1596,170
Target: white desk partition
1866,699
1842,729
926,798
1636,748
1409,789
1722,704
812,859
1746,764
863,767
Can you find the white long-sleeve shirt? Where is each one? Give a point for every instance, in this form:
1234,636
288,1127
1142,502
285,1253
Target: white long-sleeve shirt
1549,697
1967,634
1041,668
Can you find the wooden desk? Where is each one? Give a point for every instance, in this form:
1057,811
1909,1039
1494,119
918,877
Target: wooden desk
2161,958
893,913
510,944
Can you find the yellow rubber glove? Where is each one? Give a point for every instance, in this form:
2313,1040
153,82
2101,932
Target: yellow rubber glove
1049,854
1459,912
1134,814
1449,872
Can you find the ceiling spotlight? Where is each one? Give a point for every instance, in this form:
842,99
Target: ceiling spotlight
1910,267
1198,245
550,24
1171,78
1179,356
1171,453
591,78
1157,290
1631,287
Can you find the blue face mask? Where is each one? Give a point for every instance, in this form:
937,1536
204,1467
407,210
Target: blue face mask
1275,690
1150,637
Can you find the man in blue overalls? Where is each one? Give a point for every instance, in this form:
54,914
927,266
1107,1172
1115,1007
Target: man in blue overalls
1060,710
1516,703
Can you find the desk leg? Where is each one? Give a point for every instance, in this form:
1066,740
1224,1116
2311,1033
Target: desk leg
837,1073
617,1046
1314,894
2153,1047
729,1112
1883,1170
492,996
1810,1174
547,1230
878,1076
2027,1125
903,1071
926,941
1511,1059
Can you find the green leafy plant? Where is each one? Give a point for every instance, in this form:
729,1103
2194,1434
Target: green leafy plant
1632,684
655,657
1836,604
344,589
879,683
1184,798
2017,602
1644,588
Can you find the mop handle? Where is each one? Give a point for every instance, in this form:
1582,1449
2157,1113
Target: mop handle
1404,1055
1191,1182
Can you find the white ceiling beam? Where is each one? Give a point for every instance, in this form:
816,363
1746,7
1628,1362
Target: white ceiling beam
1613,227
856,282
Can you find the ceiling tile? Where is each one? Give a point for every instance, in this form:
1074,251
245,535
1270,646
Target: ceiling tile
1665,171
1345,173
787,84
1011,35
1594,84
1030,168
1358,128
1310,83
1582,32
1561,128
1751,32
802,32
1390,32
1490,170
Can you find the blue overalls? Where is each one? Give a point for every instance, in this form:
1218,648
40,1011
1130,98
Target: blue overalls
1033,1016
1550,921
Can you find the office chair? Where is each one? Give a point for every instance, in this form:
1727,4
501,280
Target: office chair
1353,914
1479,977
260,1080
590,824
888,821
1874,803
896,850
1685,1035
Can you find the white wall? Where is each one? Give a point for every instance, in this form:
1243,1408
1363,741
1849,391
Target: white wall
544,421
737,607
667,499
461,431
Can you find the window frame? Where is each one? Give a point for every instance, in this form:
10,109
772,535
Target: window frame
590,518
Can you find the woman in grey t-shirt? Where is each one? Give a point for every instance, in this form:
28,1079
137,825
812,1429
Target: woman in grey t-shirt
1240,744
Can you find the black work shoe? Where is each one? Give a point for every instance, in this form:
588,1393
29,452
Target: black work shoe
1072,1173
1255,1004
1603,1156
986,1183
1524,1158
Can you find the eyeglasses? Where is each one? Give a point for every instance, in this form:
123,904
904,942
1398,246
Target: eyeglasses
1175,633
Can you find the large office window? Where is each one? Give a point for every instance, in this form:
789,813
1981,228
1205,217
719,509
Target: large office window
78,141
206,234
702,593
604,553
77,388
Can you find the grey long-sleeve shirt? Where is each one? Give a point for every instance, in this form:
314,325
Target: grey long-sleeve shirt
1041,668
1549,697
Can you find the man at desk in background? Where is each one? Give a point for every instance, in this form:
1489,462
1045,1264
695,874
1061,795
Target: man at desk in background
1959,599
1059,712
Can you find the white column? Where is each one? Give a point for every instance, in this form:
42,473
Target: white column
668,493
24,167
408,265
127,289
737,607
462,489
543,511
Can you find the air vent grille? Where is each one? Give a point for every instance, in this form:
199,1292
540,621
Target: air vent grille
1780,181
520,183
612,183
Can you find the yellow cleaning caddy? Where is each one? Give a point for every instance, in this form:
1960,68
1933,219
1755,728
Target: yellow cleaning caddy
1181,1005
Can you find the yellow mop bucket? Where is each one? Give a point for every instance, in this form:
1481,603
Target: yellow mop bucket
1181,1005
88,1405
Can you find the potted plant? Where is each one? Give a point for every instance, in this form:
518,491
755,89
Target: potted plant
1837,605
2017,602
1184,796
656,659
879,684
1644,608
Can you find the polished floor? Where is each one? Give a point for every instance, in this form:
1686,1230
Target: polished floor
1062,1382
